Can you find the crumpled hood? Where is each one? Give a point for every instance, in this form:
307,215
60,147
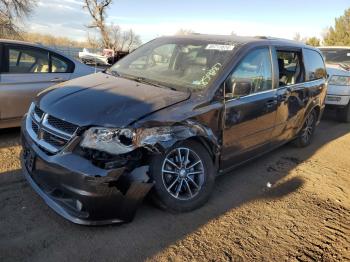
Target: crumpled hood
104,100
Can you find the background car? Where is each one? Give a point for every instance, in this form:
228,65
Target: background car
338,69
91,58
25,70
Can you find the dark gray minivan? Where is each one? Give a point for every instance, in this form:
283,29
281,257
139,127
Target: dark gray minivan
167,119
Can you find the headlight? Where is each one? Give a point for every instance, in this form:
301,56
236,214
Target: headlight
340,80
110,140
120,141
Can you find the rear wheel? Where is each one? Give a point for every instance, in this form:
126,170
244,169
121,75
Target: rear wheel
343,114
306,134
184,177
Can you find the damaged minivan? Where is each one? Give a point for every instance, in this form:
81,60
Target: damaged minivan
166,120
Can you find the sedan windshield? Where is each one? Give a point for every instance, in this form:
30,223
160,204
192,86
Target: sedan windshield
336,56
181,64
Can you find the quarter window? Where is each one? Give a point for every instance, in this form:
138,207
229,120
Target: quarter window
254,72
58,65
315,67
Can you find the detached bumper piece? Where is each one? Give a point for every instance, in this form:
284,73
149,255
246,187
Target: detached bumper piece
81,192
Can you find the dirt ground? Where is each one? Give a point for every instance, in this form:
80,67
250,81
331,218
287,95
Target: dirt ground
290,205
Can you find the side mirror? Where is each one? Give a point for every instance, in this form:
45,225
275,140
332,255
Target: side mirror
238,88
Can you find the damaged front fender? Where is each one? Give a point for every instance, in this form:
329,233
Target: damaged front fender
155,139
159,139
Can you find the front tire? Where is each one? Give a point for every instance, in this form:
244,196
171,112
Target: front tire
184,177
306,134
343,114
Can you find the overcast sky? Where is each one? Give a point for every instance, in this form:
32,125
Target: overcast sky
154,18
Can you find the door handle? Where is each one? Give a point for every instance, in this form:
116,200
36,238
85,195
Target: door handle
270,103
283,97
57,79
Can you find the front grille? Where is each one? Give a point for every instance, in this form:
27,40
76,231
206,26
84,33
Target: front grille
54,140
35,127
62,125
38,112
49,132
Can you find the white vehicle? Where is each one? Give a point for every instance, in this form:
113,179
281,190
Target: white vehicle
92,58
25,70
338,69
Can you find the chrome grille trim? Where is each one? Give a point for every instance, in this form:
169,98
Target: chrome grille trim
45,135
62,125
37,114
48,126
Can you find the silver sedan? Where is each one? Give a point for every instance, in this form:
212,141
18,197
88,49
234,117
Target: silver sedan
27,69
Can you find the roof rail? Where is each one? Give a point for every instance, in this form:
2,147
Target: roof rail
262,37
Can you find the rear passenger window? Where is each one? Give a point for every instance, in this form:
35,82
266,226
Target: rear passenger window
290,67
315,68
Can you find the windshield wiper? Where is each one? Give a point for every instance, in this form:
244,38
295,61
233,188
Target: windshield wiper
111,72
151,82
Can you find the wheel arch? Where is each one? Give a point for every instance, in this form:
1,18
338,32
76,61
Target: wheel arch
209,146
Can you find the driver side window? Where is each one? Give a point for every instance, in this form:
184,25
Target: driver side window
253,74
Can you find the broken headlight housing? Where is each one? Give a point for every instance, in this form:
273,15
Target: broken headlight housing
121,141
110,140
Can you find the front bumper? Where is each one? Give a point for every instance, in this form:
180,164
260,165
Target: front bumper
337,100
79,191
337,96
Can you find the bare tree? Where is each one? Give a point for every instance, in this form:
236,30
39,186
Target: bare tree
112,36
93,41
97,10
133,40
129,41
184,32
297,37
115,33
12,13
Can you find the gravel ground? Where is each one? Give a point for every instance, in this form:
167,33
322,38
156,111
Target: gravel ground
290,205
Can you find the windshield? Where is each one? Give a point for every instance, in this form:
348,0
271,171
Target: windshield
336,56
181,64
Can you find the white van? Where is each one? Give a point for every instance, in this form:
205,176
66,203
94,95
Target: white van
338,69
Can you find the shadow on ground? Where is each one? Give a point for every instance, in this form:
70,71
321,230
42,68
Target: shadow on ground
9,137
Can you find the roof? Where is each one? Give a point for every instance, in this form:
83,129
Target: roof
241,39
333,47
38,45
19,42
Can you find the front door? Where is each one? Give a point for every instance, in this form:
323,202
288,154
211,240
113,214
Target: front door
250,113
26,71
